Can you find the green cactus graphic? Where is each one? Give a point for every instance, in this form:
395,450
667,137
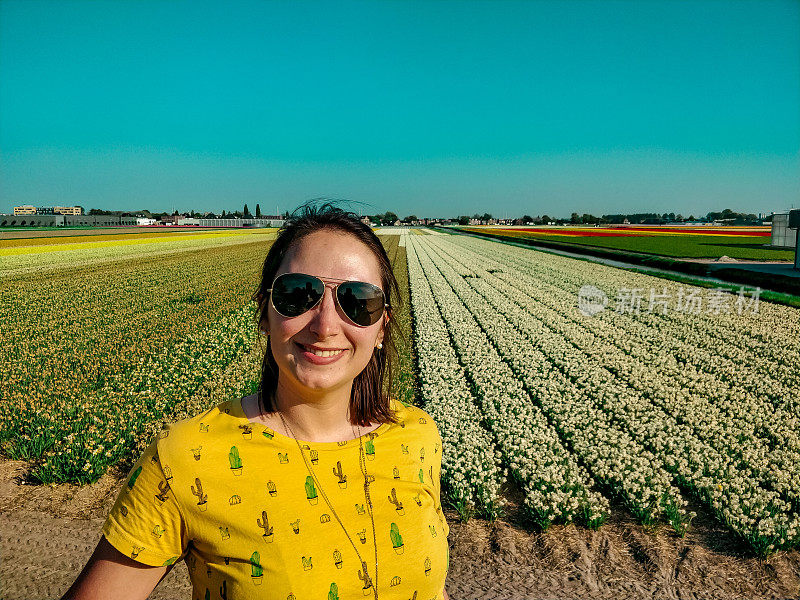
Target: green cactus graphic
370,449
170,561
314,457
158,531
334,593
236,462
311,491
134,477
255,564
307,566
337,559
269,434
421,476
397,539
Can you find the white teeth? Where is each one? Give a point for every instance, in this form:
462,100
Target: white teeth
324,353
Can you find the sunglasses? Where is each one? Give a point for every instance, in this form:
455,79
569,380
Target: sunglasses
293,294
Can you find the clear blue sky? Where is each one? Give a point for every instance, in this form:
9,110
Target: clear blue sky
430,108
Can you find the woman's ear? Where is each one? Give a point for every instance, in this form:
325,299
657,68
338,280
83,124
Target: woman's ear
379,339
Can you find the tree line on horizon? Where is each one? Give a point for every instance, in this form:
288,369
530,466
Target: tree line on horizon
390,218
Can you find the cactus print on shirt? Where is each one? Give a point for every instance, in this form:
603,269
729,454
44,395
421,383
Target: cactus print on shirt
236,501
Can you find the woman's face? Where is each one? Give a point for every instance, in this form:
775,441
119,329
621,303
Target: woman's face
329,255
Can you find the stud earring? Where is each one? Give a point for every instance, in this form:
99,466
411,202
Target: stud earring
379,346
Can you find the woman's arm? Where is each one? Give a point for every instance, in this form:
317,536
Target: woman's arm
444,594
111,574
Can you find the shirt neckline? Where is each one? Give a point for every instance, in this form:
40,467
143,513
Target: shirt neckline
237,412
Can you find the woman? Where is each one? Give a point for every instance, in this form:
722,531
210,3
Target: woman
318,486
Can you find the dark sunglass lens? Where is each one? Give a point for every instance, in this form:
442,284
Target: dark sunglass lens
295,293
361,302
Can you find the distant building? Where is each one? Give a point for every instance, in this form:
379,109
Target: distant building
782,236
67,210
262,222
47,210
65,221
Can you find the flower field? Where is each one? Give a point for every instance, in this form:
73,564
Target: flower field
641,406
648,407
746,243
103,345
98,354
39,254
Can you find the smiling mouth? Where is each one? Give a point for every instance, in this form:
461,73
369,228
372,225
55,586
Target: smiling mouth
320,353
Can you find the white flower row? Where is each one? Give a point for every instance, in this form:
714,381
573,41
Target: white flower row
756,350
471,467
699,395
556,488
611,455
729,482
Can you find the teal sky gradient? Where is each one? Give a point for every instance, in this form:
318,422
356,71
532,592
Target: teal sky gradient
431,108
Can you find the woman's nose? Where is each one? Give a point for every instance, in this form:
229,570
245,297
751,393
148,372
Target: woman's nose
326,318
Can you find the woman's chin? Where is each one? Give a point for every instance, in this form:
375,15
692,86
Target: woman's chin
319,382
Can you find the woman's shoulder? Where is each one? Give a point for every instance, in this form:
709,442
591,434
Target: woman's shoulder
410,415
193,431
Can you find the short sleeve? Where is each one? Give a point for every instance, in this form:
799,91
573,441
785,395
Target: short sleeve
146,523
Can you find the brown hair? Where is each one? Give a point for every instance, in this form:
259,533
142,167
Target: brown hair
369,398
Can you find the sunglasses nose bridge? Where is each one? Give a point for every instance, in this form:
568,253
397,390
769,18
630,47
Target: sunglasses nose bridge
326,312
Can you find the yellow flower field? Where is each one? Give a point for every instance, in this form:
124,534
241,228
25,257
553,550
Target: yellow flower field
105,345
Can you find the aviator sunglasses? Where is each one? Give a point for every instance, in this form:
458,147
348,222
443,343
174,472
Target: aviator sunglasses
293,294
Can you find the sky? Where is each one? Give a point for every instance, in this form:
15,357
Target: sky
434,108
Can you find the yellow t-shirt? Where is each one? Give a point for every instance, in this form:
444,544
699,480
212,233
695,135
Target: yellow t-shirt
237,501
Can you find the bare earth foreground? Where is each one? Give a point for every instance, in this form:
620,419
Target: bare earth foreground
48,532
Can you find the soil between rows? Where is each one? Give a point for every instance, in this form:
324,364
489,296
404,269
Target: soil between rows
48,532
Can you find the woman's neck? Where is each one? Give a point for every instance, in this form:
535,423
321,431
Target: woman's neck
313,418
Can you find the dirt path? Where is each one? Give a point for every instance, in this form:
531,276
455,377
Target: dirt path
48,532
